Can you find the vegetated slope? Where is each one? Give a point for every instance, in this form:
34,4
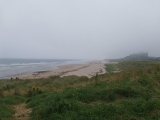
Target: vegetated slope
133,93
21,112
6,106
16,92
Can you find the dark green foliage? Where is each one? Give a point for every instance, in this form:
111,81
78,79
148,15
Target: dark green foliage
126,99
110,68
1,93
96,78
136,65
34,91
83,79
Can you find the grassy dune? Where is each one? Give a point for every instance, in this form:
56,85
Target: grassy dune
132,93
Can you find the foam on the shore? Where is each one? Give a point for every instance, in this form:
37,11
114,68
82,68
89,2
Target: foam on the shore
90,69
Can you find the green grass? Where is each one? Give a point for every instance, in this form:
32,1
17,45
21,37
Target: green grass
131,94
136,65
127,100
6,106
110,68
130,98
13,92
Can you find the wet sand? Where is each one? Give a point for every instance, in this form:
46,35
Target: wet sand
90,69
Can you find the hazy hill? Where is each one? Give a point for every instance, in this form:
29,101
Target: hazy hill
136,57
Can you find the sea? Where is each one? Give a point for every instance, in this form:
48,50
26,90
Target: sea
12,67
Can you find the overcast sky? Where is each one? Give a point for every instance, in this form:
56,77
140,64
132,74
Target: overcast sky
82,29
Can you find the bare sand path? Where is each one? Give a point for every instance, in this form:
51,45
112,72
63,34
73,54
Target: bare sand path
21,112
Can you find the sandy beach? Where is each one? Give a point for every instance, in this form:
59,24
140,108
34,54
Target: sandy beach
89,69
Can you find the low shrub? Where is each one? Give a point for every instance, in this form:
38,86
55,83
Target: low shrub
34,91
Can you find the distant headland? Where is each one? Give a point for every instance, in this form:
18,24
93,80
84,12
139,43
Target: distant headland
137,57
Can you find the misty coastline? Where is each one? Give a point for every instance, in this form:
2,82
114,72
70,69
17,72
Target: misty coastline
88,69
15,67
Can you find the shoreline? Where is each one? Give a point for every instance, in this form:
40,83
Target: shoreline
84,69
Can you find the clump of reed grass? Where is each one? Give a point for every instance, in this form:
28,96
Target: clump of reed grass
16,92
34,91
1,93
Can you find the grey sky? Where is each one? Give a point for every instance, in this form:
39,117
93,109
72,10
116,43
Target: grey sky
92,29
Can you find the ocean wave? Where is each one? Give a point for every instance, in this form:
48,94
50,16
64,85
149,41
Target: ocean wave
14,68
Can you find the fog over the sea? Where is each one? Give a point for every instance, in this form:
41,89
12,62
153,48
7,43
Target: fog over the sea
79,29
